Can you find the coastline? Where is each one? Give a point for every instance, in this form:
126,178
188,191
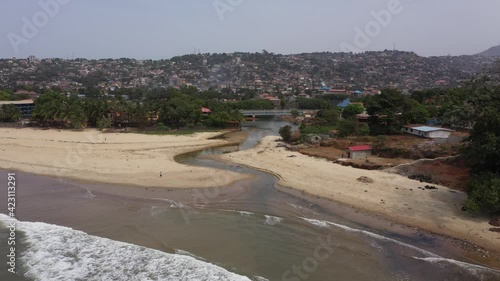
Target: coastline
114,158
390,196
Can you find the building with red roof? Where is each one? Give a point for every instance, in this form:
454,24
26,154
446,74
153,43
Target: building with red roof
359,151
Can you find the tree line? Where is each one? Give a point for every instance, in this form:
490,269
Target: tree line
168,108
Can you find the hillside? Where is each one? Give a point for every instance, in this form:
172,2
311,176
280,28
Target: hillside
491,52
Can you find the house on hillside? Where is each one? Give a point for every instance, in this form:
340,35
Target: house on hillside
276,101
427,131
360,151
205,111
28,94
345,103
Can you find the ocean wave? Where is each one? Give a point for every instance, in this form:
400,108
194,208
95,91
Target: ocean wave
270,220
475,269
186,253
60,253
371,234
173,204
319,223
431,257
243,213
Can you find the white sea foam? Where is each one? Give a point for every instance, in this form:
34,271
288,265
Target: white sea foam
155,211
260,278
431,257
61,253
374,235
475,269
243,213
186,253
316,222
270,220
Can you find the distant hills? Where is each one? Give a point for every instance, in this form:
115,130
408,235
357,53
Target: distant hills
491,52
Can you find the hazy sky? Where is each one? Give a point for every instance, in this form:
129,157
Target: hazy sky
164,28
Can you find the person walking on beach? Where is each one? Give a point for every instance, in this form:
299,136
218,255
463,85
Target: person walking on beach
161,175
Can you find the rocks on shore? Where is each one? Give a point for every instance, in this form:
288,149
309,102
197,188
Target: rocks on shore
495,222
421,178
365,180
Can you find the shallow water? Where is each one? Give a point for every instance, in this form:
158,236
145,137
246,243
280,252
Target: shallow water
254,233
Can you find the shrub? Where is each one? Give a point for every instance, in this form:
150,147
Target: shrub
364,130
347,128
484,193
161,127
286,133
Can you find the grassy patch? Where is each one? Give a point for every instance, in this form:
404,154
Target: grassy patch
317,129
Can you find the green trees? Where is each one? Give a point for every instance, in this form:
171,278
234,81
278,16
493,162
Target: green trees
391,109
10,113
97,111
72,113
5,95
483,152
352,110
484,192
286,133
179,111
224,119
48,109
347,127
328,116
313,103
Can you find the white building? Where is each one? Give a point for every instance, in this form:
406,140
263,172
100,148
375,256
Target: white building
428,132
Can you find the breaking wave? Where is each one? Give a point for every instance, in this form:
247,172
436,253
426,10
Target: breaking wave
60,253
475,269
270,220
371,234
431,257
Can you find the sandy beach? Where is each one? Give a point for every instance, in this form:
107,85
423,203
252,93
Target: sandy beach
392,196
116,158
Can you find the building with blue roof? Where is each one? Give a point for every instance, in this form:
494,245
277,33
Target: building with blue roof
344,103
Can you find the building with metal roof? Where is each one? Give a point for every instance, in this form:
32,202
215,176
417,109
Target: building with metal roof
428,131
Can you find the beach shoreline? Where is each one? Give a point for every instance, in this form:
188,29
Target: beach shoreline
115,158
391,196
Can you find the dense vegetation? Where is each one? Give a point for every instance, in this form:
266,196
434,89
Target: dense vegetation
171,108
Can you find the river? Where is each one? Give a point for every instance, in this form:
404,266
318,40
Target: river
251,230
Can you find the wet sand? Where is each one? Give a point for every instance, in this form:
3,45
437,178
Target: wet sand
391,196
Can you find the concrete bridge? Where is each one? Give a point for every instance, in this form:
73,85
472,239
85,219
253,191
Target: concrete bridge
257,113
286,112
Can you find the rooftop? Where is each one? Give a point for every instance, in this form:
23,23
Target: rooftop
30,101
360,148
430,129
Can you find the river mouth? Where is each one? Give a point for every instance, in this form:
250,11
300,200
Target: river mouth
252,228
